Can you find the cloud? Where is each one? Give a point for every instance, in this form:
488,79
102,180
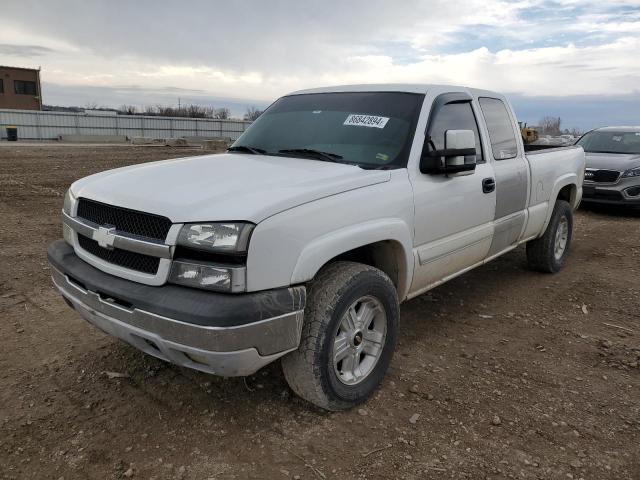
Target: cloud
139,96
252,35
24,50
261,50
583,112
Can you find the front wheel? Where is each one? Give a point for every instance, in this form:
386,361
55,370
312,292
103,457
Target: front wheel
548,253
348,338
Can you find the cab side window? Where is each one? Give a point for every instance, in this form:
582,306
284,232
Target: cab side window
503,140
454,116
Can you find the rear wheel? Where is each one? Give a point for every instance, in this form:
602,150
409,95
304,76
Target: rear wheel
348,337
549,252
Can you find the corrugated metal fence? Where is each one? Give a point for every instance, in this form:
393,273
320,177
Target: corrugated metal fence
36,125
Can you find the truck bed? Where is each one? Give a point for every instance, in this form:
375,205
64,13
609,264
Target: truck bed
551,169
532,149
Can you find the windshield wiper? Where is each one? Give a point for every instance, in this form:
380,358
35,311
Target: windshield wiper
315,154
246,149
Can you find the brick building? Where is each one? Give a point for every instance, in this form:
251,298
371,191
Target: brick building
20,88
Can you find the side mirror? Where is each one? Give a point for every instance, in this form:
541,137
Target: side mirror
457,157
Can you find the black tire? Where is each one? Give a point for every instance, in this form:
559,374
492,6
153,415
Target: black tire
310,369
541,255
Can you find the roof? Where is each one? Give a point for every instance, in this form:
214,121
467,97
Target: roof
379,87
20,68
618,129
399,87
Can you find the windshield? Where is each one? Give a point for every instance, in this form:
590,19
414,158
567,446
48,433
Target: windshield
611,142
369,129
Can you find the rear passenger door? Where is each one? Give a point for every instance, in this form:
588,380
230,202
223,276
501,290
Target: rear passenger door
511,174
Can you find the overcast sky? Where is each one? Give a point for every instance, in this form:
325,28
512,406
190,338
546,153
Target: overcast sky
239,53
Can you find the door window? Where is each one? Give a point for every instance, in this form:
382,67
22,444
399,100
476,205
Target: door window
454,116
503,141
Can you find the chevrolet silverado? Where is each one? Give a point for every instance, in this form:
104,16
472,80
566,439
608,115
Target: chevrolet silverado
300,242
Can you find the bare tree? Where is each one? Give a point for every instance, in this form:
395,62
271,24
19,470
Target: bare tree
90,105
128,109
252,114
551,126
149,110
187,111
222,113
197,111
166,111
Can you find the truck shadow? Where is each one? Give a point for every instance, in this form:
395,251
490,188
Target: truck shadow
611,210
464,305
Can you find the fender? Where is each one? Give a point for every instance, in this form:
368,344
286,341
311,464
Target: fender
324,248
561,182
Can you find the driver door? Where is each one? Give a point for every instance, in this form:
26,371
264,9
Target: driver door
453,214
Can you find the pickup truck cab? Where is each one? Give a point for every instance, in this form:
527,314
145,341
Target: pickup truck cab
301,241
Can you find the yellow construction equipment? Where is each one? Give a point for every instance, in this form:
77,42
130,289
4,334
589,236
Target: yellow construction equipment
529,134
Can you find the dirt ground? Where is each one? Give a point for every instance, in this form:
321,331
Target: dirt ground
501,373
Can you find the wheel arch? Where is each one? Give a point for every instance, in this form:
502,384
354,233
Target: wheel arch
565,188
385,245
569,193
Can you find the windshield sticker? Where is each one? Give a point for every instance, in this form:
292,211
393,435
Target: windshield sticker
382,156
366,121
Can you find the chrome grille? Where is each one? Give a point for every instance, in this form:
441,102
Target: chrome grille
133,222
123,258
601,176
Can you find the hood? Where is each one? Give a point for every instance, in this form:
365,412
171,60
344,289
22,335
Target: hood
223,187
612,161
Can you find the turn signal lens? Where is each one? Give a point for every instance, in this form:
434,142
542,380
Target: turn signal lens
208,277
67,205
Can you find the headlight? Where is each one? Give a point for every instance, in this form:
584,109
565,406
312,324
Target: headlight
67,206
201,257
216,237
209,277
634,172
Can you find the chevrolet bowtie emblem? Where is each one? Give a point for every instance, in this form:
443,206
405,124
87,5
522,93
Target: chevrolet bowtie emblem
105,236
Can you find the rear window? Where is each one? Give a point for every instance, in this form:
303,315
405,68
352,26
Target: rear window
503,140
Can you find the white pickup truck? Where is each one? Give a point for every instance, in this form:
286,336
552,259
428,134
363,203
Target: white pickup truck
300,242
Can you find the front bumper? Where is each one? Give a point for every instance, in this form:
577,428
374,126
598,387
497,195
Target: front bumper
625,192
222,334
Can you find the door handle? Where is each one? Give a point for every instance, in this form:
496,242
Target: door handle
488,185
